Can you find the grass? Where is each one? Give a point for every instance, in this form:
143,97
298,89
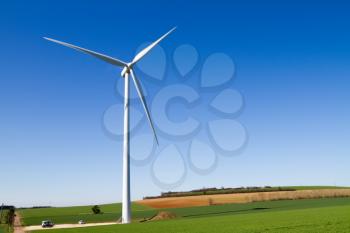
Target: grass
317,215
3,226
268,206
300,215
111,212
74,214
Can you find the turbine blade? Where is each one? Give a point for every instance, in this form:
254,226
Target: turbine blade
103,57
143,101
151,46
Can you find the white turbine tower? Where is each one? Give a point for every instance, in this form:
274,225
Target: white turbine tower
127,70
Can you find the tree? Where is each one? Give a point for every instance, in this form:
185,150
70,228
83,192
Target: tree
1,211
10,217
96,209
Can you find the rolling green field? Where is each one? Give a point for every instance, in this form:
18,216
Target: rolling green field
317,215
304,215
111,212
3,226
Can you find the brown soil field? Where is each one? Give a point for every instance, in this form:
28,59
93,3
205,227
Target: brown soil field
218,199
163,215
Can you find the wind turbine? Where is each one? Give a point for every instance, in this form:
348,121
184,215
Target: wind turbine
127,70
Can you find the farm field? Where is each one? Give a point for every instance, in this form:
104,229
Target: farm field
314,215
316,187
237,190
111,212
187,206
218,199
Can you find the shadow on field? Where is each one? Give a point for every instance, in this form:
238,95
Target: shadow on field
226,212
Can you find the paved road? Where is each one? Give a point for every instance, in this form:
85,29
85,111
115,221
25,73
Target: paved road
60,226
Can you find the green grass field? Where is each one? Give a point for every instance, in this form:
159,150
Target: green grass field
305,215
111,212
3,226
317,215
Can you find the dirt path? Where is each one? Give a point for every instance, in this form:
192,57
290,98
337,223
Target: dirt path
60,226
17,225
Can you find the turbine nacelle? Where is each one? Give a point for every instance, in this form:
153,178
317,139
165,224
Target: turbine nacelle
126,70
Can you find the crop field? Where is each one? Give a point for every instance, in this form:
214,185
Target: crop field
308,215
267,213
315,187
143,209
238,190
218,199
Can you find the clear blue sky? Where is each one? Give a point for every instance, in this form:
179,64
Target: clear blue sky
292,67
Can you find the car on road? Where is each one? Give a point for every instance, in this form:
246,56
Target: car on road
81,222
47,223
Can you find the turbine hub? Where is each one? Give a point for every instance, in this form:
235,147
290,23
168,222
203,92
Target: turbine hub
126,70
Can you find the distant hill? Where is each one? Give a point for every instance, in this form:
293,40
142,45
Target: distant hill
223,190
